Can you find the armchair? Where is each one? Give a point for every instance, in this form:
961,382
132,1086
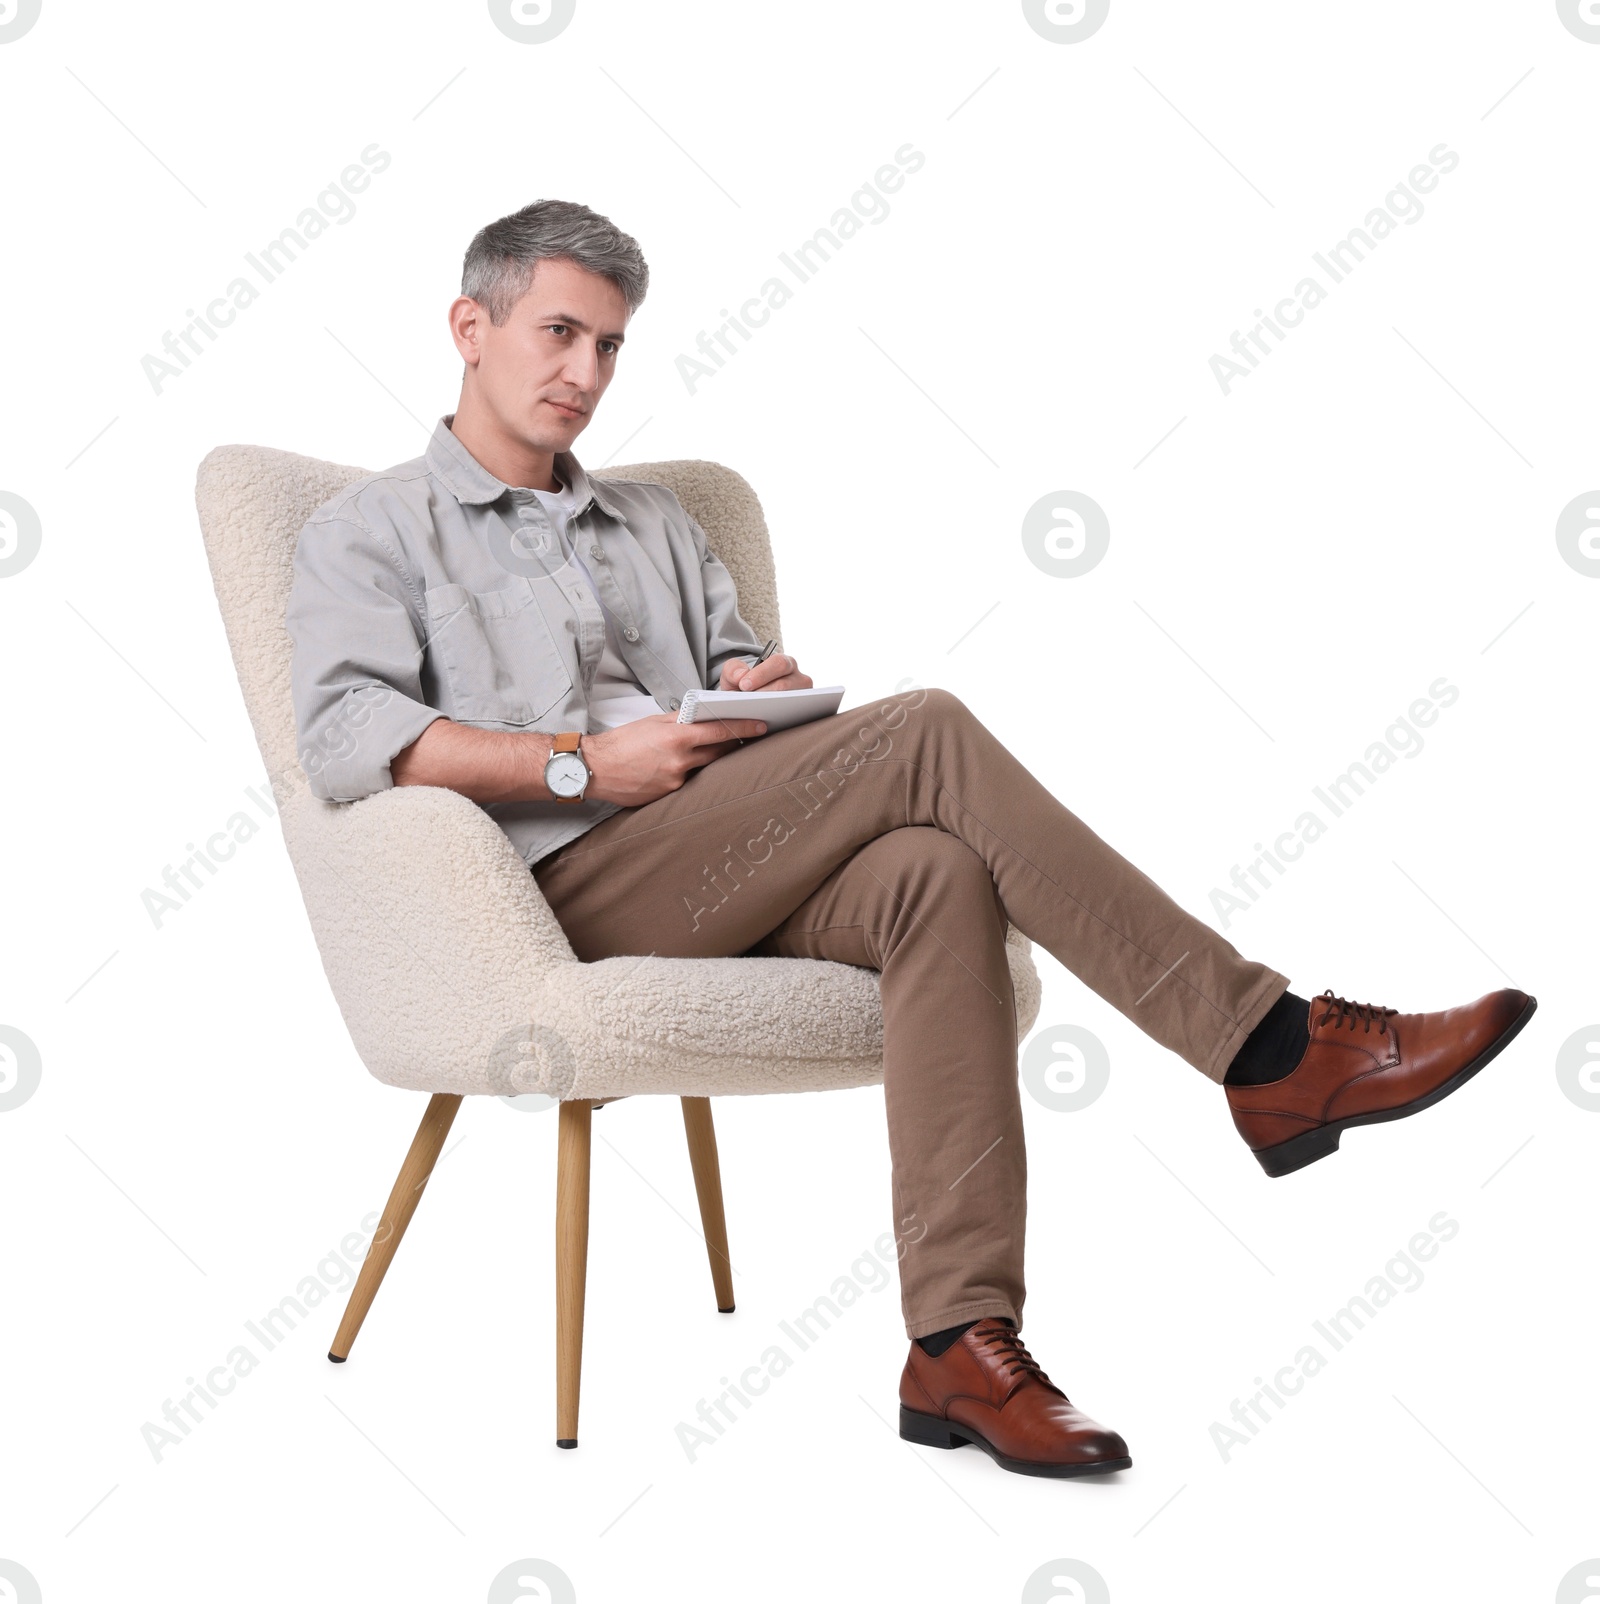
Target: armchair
420,882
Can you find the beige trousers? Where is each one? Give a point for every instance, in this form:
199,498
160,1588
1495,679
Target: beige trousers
902,836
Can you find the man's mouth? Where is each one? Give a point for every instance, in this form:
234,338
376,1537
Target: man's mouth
571,412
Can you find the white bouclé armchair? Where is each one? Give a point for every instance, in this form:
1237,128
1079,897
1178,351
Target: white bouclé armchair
420,882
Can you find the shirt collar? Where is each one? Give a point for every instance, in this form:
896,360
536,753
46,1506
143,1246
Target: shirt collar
473,485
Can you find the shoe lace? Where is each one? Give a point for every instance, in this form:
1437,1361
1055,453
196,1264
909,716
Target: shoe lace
1340,1009
1009,1347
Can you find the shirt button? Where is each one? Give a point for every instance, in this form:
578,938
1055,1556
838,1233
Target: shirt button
673,702
630,633
595,551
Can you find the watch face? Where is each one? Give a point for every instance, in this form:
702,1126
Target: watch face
565,774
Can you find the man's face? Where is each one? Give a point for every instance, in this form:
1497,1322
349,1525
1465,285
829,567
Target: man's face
542,372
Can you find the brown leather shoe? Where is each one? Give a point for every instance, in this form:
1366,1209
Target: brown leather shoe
986,1388
1366,1063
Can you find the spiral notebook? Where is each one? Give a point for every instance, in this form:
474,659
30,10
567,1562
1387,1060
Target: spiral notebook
779,709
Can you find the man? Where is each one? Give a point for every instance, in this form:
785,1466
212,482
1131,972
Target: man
523,634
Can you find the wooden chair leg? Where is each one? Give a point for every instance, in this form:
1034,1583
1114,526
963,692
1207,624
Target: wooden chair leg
708,1185
425,1147
572,1258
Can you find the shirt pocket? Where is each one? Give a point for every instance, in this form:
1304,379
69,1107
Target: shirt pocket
494,651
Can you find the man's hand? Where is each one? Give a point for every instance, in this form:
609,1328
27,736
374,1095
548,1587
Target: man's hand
647,757
780,672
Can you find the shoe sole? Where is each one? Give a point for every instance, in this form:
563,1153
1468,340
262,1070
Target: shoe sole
1299,1151
932,1432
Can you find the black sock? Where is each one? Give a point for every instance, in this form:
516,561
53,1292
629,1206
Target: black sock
1275,1046
937,1341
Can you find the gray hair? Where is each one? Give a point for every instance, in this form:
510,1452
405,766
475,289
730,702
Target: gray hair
499,264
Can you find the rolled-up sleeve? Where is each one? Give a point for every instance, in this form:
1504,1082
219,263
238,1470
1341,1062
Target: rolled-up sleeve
355,675
727,634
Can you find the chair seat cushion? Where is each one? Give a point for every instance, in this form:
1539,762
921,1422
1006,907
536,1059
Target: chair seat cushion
705,1027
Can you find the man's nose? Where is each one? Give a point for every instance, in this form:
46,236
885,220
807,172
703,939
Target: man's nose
582,371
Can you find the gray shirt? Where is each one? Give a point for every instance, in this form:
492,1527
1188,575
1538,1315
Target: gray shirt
433,589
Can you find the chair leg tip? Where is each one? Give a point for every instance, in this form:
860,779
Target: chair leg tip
336,1358
721,1310
566,1442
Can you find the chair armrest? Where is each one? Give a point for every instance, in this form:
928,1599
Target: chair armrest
1025,982
432,930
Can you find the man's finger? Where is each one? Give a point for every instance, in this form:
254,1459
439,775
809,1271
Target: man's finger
775,667
724,729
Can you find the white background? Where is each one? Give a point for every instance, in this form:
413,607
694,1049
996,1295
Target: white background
1289,569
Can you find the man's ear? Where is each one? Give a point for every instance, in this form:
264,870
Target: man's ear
464,310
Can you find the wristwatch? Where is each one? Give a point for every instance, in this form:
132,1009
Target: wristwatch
566,770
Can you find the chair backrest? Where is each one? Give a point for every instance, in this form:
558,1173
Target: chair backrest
253,502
